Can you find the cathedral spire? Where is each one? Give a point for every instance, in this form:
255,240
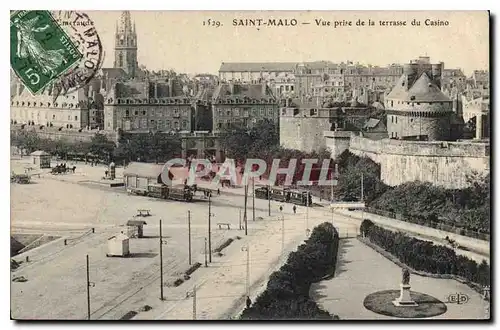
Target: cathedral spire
126,45
125,22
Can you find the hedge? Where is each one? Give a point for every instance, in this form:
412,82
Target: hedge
425,256
287,294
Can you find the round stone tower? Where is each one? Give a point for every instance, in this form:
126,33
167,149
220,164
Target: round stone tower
416,107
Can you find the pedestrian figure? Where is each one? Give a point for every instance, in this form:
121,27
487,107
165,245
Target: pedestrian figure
281,208
294,209
249,302
218,191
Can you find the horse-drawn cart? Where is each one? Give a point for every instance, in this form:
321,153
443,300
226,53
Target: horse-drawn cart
61,169
20,178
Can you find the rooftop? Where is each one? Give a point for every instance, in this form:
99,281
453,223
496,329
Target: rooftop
423,90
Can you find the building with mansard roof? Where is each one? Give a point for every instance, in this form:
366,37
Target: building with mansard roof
243,104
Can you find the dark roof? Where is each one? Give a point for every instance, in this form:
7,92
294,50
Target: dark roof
143,170
252,91
371,123
114,73
423,90
136,223
256,67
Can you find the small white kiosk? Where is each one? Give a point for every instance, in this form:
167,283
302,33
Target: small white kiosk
118,246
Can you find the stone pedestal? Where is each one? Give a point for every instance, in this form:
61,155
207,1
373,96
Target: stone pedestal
405,297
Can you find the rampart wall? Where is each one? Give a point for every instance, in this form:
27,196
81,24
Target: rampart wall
443,163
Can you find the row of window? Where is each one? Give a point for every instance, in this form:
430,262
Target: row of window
286,88
175,112
158,124
24,114
235,112
41,104
150,101
413,103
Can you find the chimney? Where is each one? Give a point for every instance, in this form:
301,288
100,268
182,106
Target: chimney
170,88
479,126
436,71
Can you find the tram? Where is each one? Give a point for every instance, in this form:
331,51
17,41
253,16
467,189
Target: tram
284,195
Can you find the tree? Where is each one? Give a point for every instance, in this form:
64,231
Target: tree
101,146
27,140
163,147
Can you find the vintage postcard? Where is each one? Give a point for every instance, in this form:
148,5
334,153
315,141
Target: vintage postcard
251,165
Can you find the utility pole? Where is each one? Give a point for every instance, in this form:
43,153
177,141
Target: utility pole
362,192
245,212
307,210
282,232
89,284
161,265
269,199
240,218
247,282
253,199
189,233
362,197
206,264
334,177
209,227
193,295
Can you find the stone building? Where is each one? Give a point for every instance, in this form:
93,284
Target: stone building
74,110
146,106
303,122
251,72
371,77
243,104
453,78
416,107
481,79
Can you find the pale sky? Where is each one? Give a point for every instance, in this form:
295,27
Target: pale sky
179,41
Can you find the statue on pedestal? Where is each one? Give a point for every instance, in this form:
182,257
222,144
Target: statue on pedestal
406,276
404,298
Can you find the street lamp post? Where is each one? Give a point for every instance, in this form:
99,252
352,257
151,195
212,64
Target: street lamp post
247,282
245,211
206,264
162,242
89,285
269,199
253,199
189,234
282,232
210,215
193,295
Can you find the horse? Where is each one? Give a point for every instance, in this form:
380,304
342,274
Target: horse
72,169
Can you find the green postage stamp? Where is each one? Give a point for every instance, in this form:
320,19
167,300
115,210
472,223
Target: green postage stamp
40,51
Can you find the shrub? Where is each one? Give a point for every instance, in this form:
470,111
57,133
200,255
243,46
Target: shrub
287,292
425,256
366,225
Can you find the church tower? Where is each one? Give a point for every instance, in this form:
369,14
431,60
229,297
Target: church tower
126,45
